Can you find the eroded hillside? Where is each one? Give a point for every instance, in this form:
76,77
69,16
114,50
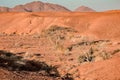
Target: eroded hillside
96,24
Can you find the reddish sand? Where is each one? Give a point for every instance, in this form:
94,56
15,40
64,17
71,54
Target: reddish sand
93,35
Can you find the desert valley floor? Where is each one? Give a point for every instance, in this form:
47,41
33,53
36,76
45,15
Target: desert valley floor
60,46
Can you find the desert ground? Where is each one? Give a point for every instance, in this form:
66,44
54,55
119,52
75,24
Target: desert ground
60,45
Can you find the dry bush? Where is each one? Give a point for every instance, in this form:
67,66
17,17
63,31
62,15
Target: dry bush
87,57
92,56
57,35
115,51
67,77
105,55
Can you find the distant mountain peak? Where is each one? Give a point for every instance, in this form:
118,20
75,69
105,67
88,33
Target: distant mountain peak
35,6
84,9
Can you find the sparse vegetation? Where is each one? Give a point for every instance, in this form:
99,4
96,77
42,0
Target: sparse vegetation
115,51
57,35
86,43
87,57
105,55
54,47
92,56
67,77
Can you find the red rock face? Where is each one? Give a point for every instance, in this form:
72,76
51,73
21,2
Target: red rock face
84,9
36,6
4,9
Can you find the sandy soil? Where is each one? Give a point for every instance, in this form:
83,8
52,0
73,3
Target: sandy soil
104,66
84,45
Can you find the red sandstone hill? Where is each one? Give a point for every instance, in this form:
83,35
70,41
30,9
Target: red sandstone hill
84,9
104,25
36,6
